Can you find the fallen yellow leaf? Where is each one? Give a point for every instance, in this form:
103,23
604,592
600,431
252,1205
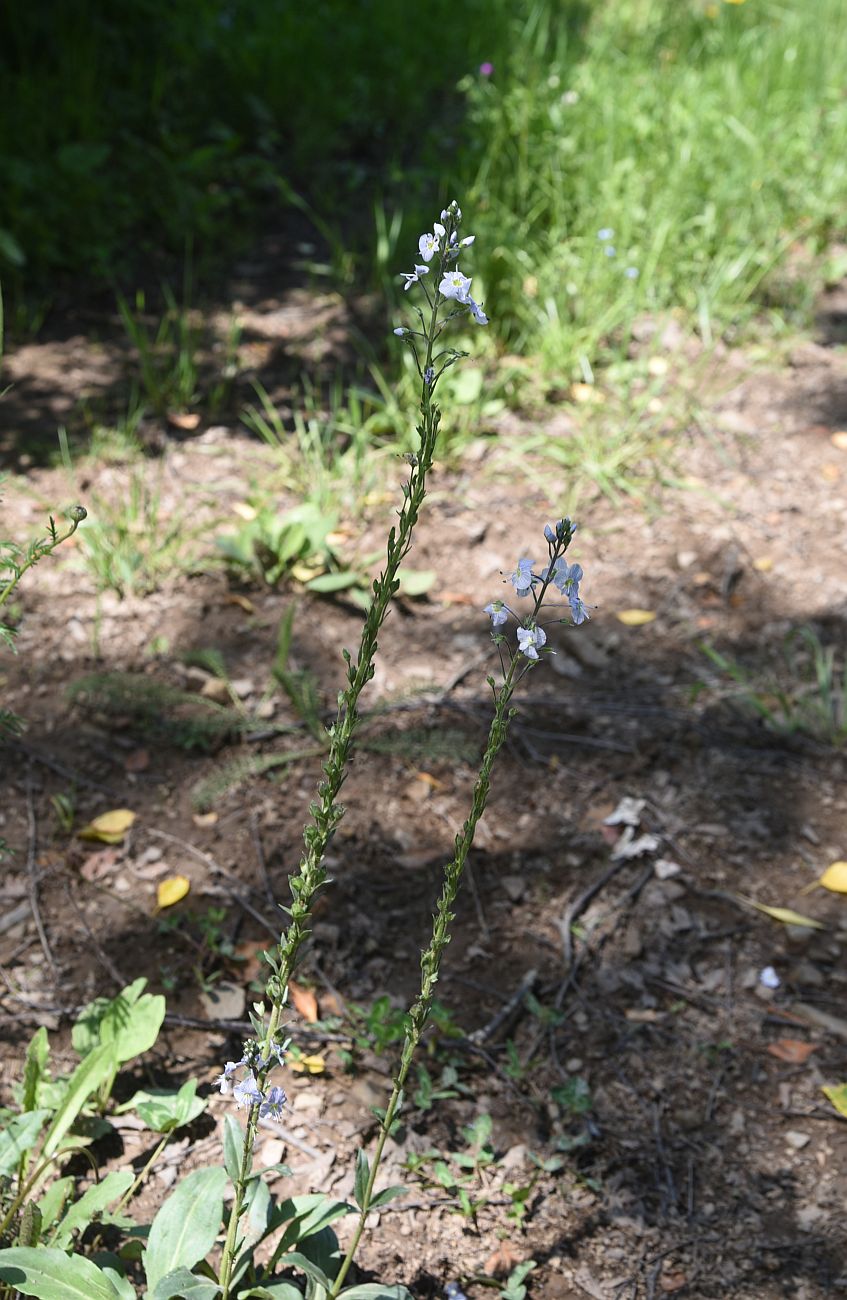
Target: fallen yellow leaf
835,878
586,393
307,1065
171,890
635,617
839,440
244,511
657,366
243,602
830,472
109,827
764,564
838,1097
185,420
785,915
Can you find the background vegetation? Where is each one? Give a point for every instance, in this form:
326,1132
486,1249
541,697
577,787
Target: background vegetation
707,136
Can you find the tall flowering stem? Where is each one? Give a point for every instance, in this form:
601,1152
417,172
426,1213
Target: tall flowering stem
440,247
431,957
516,661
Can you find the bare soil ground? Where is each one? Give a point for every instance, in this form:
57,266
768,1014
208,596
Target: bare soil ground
708,1163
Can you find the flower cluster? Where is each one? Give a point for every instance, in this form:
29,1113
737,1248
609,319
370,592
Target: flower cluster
442,245
529,581
605,235
246,1090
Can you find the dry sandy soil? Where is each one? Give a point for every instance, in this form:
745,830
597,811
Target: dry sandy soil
700,1158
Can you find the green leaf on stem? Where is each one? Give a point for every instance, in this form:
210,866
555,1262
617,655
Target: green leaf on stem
50,1274
19,1136
92,1203
187,1225
182,1284
363,1171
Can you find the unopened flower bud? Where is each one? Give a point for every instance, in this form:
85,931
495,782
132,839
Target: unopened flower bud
77,513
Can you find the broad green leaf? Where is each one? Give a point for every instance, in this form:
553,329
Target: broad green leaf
258,1211
130,1021
234,1148
363,1171
185,1285
465,385
329,582
53,1275
92,1202
322,1249
165,1111
35,1066
415,582
122,1285
187,1225
53,1201
310,1214
19,1136
388,1194
293,1259
91,1072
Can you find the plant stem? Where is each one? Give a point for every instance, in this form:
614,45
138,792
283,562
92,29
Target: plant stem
326,811
130,1192
40,549
431,958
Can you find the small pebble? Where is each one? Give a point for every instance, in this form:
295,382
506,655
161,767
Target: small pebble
797,1140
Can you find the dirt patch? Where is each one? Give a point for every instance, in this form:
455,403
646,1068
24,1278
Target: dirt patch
697,1156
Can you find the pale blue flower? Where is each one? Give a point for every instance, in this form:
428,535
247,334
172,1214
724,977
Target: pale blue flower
566,577
498,611
272,1106
400,331
579,611
455,285
522,578
610,250
549,534
412,277
224,1081
530,639
476,311
605,233
769,978
631,273
428,244
276,1050
429,375
247,1092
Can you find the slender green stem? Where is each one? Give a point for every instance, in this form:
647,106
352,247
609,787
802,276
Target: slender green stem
130,1192
431,958
326,811
40,549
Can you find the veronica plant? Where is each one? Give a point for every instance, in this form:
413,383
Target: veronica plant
184,1232
439,250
